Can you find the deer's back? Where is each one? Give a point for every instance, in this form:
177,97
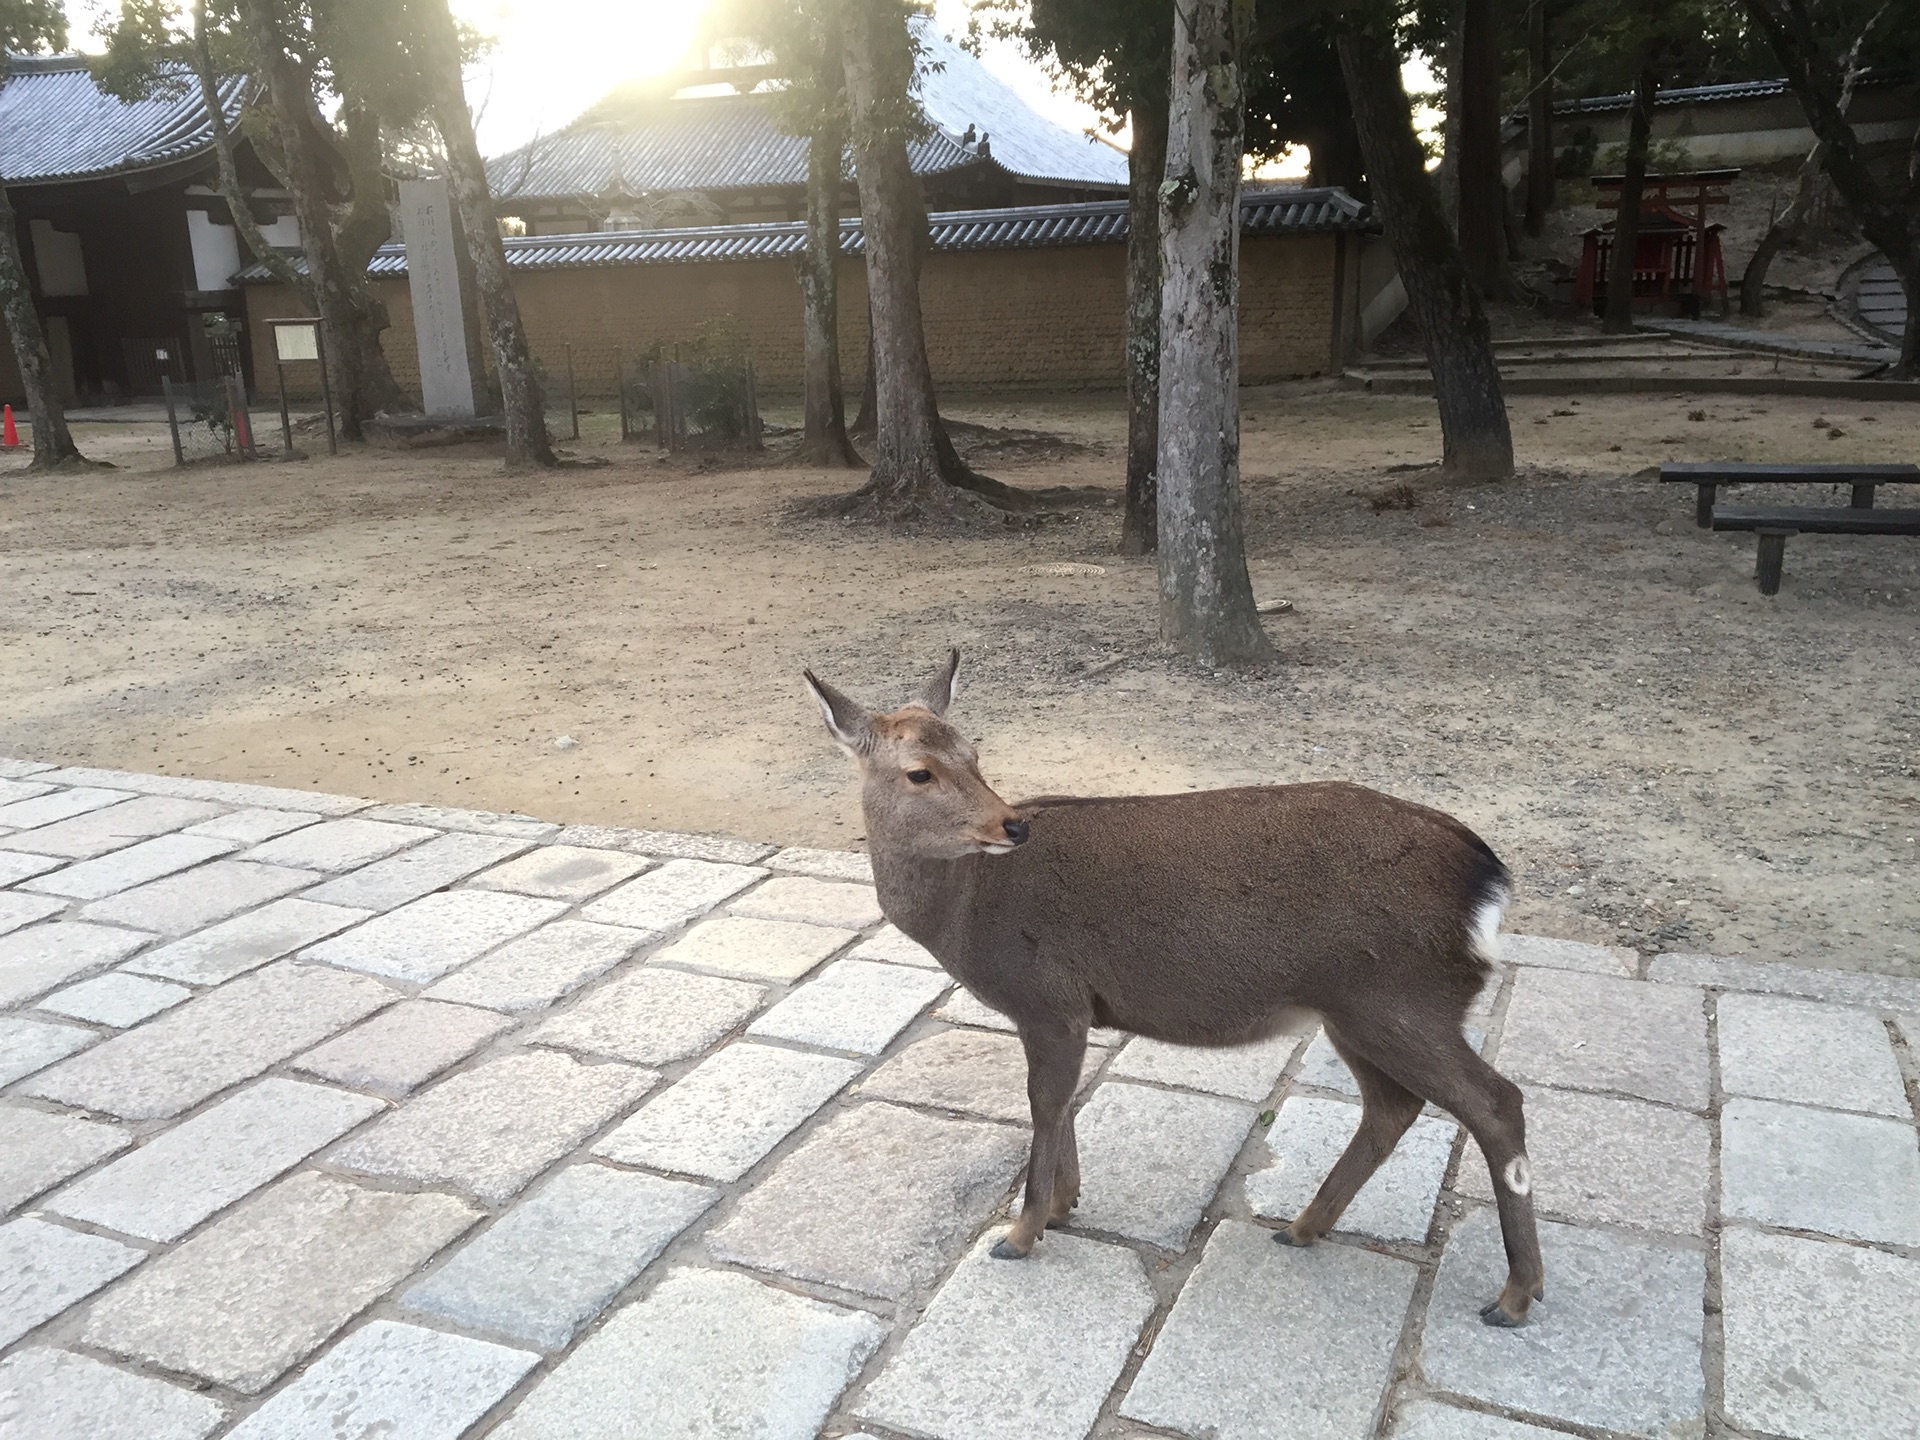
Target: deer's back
1180,912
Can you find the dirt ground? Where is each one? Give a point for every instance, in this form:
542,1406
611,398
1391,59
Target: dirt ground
1665,758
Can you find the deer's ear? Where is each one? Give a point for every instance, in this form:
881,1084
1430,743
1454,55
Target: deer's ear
939,692
847,722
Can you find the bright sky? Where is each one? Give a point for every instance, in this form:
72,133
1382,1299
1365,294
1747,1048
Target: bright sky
553,58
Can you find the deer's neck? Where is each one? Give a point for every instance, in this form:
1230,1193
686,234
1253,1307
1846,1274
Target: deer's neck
930,900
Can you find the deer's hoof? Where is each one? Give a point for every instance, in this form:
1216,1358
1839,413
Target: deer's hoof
1007,1250
1492,1314
1285,1236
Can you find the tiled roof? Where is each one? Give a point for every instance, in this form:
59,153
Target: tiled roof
56,124
729,142
1696,94
1096,222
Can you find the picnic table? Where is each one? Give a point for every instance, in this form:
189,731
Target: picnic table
1773,524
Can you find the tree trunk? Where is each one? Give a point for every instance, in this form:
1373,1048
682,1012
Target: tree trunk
363,384
52,442
825,439
231,190
1540,184
1483,194
1476,441
1787,227
527,441
915,468
1626,222
1146,165
1206,597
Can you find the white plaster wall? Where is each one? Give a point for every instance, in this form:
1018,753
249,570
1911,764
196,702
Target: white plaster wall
216,251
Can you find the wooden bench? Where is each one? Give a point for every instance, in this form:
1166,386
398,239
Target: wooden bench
1774,523
1863,478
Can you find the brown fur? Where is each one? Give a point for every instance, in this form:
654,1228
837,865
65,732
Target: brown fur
1210,918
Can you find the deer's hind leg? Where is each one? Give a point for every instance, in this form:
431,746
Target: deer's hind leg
1066,1175
1449,1072
1389,1108
1054,1054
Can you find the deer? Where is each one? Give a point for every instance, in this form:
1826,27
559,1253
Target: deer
1209,918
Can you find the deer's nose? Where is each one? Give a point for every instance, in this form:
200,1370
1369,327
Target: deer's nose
1017,831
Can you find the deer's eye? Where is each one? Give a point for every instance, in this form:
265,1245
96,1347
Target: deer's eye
920,777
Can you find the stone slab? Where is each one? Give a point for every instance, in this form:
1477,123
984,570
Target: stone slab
669,896
12,789
778,950
1616,1343
991,1359
563,872
202,1165
314,1251
15,867
58,805
811,902
888,944
45,1268
1822,1340
1776,1048
402,1048
217,792
98,831
652,1017
338,845
30,1045
35,961
183,903
1150,1160
38,1150
850,865
554,1261
723,1117
540,967
389,1379
392,882
667,844
1843,987
115,999
964,1008
251,827
198,1049
491,1129
975,1072
119,870
1855,1176
1244,1072
1308,1135
473,822
14,768
1430,1420
56,1395
1569,955
18,910
246,942
1333,1311
1610,1161
707,1353
905,1192
857,1005
1596,1032
423,940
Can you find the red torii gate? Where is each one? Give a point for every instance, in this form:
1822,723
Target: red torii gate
1676,253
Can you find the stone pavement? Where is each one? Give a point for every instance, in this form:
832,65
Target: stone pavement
328,1119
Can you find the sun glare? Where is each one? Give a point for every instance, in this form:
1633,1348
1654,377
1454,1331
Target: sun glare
552,58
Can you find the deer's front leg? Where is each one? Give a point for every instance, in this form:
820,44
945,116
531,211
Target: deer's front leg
1053,1072
1066,1174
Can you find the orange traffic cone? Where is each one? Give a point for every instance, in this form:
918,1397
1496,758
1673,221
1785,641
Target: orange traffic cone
9,432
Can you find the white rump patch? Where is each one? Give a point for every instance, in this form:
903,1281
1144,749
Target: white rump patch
1518,1176
1483,934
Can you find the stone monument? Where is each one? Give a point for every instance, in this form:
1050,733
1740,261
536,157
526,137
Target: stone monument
452,381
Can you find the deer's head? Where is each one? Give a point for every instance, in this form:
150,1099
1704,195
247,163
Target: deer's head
920,778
